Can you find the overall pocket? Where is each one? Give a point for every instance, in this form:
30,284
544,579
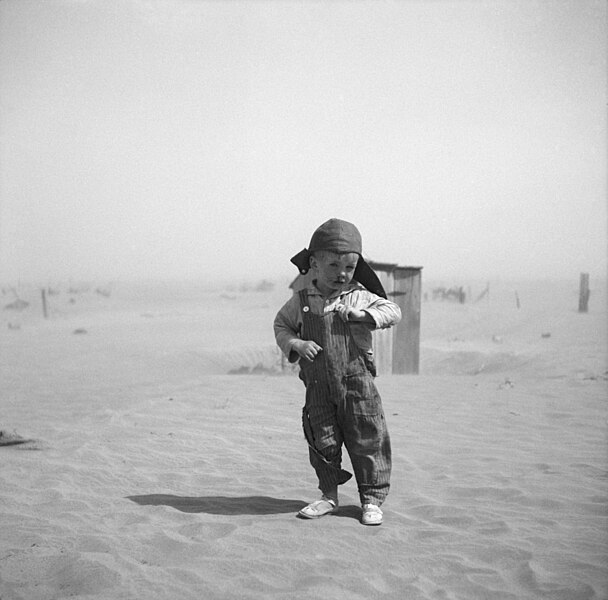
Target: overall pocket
364,423
362,397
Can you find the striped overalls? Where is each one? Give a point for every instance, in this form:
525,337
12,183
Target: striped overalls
343,406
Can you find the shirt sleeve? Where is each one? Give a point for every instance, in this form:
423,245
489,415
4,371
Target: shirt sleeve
287,327
384,312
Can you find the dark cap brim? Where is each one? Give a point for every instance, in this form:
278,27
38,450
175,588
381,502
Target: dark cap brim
302,261
367,277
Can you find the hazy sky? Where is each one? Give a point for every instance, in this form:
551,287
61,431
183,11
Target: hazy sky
191,139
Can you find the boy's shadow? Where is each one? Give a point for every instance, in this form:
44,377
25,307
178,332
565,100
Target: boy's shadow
226,505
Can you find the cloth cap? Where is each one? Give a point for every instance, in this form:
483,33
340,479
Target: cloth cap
336,236
341,237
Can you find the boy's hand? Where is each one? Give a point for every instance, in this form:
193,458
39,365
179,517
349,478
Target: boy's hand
348,313
307,349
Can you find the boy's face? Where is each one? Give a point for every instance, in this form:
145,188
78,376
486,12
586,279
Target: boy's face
333,271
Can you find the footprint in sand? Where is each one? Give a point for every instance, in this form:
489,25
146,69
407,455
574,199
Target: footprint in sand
207,531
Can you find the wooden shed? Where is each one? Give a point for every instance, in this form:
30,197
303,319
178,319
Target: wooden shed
396,350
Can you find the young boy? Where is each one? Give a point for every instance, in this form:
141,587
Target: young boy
327,327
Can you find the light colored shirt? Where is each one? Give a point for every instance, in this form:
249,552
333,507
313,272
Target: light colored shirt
288,322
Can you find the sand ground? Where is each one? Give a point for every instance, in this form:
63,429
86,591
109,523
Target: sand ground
154,473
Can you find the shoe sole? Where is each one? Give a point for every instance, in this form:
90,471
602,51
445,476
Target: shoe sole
305,516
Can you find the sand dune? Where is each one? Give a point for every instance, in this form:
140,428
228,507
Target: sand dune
155,474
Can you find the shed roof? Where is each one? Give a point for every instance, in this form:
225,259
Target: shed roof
382,266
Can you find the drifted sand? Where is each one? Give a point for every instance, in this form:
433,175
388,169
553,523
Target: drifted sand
155,474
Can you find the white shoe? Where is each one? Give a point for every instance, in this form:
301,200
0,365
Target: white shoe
372,515
319,508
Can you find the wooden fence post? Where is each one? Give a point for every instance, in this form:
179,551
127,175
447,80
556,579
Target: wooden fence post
44,308
584,293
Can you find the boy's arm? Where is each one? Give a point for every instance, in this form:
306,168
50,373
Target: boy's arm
384,313
287,333
355,315
365,307
286,328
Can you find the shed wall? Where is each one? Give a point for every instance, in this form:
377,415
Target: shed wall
397,350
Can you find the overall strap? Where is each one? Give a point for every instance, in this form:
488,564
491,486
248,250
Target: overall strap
303,294
312,325
313,329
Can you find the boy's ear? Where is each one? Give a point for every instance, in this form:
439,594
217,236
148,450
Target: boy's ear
312,261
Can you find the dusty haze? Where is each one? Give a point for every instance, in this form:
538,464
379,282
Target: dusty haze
208,139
